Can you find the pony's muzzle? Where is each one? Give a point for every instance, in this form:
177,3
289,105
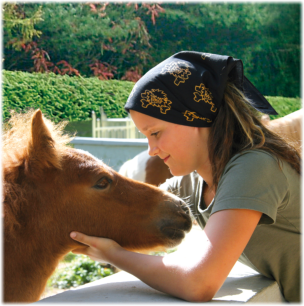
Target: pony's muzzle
176,221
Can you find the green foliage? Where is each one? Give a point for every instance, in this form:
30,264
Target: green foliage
79,271
74,33
169,251
69,257
63,97
265,36
74,98
88,36
19,29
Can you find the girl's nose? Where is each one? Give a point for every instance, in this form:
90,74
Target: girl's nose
153,150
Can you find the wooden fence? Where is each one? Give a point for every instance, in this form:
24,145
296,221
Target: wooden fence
114,128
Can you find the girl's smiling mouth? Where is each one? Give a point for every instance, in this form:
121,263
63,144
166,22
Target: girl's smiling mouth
166,158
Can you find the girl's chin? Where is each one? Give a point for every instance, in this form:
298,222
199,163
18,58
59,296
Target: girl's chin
178,172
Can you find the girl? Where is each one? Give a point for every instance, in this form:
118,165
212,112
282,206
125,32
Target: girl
241,180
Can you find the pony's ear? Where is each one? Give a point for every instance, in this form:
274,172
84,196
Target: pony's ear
42,151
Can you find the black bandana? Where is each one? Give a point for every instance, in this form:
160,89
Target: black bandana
188,88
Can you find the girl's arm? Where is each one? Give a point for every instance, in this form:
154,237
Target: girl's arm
194,275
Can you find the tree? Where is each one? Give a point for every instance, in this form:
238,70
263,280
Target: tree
265,36
121,40
19,29
87,35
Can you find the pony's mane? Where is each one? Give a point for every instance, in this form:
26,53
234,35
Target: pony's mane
16,138
17,134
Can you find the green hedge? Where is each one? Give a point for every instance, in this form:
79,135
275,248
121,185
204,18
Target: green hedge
74,98
63,97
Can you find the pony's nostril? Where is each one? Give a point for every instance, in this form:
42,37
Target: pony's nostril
173,233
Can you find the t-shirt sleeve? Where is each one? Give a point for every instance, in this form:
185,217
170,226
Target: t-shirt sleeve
253,180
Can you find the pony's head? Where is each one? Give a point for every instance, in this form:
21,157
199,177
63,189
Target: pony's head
51,189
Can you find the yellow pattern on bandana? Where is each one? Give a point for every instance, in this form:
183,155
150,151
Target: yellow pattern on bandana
175,69
190,116
156,98
204,55
202,93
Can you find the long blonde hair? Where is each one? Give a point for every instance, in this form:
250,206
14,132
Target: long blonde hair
237,128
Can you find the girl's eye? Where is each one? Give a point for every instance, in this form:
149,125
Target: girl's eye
154,134
103,183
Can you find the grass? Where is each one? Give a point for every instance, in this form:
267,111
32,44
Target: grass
284,106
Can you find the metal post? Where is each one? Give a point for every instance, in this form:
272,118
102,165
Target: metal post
98,127
93,124
133,129
103,119
128,129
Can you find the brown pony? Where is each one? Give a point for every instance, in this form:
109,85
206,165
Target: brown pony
51,189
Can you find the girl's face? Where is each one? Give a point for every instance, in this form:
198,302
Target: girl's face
183,148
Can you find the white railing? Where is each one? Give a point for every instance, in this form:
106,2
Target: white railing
112,151
113,128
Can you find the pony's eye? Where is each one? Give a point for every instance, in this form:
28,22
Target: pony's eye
103,183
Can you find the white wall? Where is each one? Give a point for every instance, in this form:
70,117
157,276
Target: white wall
112,151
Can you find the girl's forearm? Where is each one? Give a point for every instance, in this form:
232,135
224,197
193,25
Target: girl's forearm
160,273
183,274
171,274
194,274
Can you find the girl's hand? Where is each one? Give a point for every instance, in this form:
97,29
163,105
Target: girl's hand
98,249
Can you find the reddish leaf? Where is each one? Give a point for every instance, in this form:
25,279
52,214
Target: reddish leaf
132,75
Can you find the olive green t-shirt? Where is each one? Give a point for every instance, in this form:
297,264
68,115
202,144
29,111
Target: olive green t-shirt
256,180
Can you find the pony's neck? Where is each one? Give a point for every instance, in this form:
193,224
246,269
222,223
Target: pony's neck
29,263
